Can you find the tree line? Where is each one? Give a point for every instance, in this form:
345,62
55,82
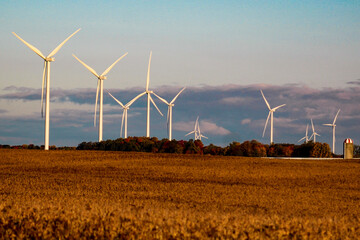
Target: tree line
248,148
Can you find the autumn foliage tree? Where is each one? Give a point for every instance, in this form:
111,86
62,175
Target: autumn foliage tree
247,149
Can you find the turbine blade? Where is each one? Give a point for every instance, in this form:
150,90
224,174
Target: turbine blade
336,117
37,51
268,105
167,119
312,125
177,95
42,90
122,122
61,44
89,68
112,65
267,120
96,101
134,99
116,100
155,105
203,136
278,107
328,124
190,133
302,139
148,73
161,99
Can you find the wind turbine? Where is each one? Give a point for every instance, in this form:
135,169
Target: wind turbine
306,135
333,125
197,131
125,109
314,134
271,115
100,86
169,113
46,72
149,98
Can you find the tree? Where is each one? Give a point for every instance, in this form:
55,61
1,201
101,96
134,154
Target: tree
234,149
356,151
320,150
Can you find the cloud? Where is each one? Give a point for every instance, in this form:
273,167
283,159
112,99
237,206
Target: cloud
212,128
356,82
206,127
234,111
245,121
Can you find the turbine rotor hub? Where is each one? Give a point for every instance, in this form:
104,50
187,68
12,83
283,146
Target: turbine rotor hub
49,59
102,78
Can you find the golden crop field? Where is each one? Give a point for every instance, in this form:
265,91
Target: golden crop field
122,195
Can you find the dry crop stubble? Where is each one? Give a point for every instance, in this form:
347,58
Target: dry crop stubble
124,194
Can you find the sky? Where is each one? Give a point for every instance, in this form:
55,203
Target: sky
304,54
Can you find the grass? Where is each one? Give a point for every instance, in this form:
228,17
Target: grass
116,195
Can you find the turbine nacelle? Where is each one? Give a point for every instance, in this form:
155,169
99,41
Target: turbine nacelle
102,77
49,59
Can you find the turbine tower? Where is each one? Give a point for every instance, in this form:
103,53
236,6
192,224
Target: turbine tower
197,131
271,116
149,98
169,113
100,86
46,74
314,134
125,109
333,125
306,135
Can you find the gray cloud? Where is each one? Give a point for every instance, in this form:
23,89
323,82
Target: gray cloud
235,111
356,82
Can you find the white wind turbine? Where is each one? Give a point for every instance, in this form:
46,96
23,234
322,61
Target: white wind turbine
306,135
169,113
314,134
149,98
333,125
271,116
46,74
100,86
125,109
197,131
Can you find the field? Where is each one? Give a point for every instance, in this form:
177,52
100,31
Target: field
122,195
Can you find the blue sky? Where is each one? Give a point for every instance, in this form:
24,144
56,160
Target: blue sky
313,46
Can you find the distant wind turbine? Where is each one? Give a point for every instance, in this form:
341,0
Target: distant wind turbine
125,109
306,134
197,131
46,72
271,116
149,98
314,134
100,86
333,125
169,113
